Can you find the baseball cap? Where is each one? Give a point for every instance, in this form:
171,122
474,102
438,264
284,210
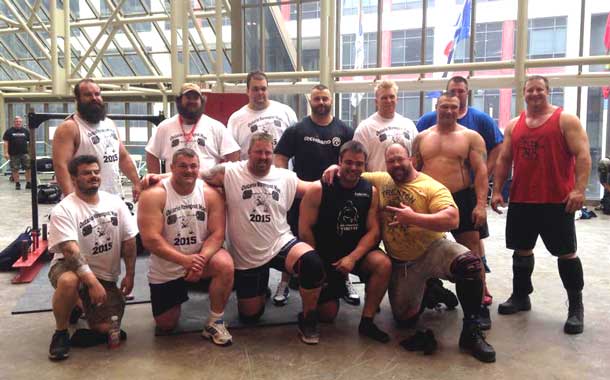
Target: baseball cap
188,87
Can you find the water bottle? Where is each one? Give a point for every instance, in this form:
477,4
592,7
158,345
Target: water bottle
114,334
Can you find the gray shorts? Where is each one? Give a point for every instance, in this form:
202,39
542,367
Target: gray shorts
408,280
20,161
115,301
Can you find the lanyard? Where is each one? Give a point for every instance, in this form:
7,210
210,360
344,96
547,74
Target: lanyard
188,136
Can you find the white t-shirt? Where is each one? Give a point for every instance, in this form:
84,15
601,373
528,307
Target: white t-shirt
274,120
256,213
98,230
211,140
185,228
102,141
377,133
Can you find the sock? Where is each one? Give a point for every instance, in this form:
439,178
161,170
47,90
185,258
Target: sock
213,317
523,266
570,271
470,293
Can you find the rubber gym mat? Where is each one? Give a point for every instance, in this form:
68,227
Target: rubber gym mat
37,297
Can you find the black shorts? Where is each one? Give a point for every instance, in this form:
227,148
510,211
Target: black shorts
466,201
334,283
167,295
253,282
525,221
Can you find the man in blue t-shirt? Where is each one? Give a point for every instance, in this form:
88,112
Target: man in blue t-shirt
476,120
313,144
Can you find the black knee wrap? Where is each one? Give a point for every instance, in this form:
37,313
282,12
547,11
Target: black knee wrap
570,271
466,266
250,319
310,269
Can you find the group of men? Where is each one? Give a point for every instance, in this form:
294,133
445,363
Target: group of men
213,216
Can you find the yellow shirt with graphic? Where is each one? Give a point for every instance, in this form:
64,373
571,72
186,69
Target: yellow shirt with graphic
424,195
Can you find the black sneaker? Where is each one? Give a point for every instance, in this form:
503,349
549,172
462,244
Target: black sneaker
436,294
421,341
515,304
28,185
308,328
484,318
60,345
369,328
17,186
472,340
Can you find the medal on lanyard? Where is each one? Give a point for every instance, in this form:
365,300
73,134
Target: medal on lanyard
188,136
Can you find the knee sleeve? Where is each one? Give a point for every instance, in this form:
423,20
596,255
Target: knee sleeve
570,271
251,319
310,269
466,266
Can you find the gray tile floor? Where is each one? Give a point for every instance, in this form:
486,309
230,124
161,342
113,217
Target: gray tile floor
529,345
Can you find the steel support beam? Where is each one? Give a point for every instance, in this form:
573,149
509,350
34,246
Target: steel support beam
520,53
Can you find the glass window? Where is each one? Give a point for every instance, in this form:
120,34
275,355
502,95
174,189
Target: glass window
487,44
410,4
547,37
406,47
350,7
309,10
348,51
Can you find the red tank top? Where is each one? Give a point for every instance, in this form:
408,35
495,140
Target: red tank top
543,165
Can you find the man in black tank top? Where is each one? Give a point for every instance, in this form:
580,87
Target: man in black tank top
340,221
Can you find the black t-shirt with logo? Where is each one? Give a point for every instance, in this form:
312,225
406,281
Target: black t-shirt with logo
18,139
313,147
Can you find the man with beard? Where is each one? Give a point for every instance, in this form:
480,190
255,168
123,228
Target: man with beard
549,152
448,152
182,222
190,128
16,141
418,211
341,222
89,131
258,197
260,114
89,232
384,127
314,145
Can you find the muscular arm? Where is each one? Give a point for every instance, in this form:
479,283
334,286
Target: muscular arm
280,161
77,263
232,157
216,223
308,213
302,187
128,253
153,166
6,146
214,176
478,158
64,147
373,231
444,220
578,144
150,223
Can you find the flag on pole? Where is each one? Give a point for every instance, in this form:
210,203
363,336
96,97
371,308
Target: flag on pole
462,32
359,55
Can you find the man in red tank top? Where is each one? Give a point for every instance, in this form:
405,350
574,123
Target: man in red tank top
550,152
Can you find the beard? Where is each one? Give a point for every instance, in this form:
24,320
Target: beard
189,113
321,110
400,174
91,112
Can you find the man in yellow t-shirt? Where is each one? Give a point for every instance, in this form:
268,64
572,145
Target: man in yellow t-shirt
417,211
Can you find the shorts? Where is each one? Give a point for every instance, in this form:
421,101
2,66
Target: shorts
253,282
115,301
167,295
525,221
408,280
333,287
20,161
466,200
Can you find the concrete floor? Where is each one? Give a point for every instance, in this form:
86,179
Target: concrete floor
529,345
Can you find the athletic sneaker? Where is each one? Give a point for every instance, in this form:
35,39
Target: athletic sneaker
60,345
217,332
352,296
308,328
281,294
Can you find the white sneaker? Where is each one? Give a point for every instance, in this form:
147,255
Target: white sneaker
281,294
217,332
352,296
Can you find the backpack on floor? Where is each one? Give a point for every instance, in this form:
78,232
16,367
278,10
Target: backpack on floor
18,248
49,193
